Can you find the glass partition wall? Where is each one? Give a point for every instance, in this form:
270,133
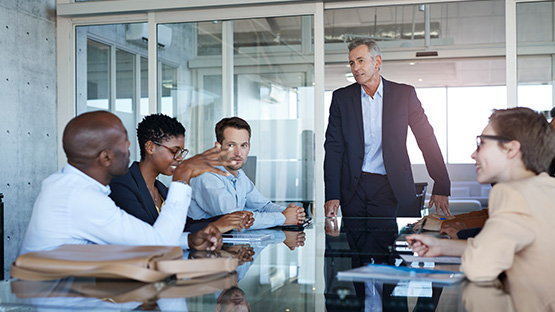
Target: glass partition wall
460,56
268,82
451,52
259,69
112,74
536,54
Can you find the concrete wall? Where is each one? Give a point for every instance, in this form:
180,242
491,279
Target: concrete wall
28,137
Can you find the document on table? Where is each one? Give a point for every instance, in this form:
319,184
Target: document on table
245,238
380,272
451,260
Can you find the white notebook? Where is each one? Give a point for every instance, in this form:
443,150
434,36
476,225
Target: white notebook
400,273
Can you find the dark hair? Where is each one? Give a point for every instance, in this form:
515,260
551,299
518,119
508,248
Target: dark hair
531,129
234,122
372,45
157,128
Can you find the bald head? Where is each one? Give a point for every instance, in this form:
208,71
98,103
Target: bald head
88,134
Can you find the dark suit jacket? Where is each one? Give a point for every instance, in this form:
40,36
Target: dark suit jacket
345,143
130,193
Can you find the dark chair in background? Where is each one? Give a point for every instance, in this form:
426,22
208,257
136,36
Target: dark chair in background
250,168
414,209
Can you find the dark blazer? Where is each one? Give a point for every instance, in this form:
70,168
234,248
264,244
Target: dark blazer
130,193
345,143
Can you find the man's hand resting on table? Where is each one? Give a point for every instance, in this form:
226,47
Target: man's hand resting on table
237,220
294,214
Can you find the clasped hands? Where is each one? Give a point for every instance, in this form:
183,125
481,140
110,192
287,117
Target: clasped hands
294,214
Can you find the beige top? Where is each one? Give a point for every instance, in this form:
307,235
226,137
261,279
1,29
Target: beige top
518,239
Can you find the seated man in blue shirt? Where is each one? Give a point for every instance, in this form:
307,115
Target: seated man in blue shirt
215,195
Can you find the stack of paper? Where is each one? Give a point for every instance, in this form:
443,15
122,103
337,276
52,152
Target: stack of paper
397,273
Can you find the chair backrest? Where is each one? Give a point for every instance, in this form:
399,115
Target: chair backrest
250,168
413,210
458,206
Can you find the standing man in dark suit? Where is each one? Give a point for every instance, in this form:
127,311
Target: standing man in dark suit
367,169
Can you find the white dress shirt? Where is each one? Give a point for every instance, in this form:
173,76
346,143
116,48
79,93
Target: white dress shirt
215,195
73,208
372,112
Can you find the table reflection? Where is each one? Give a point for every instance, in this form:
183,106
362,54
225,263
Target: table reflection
351,243
91,293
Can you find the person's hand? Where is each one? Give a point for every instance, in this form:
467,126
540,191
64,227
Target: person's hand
429,246
331,207
244,253
294,239
301,215
249,219
201,163
208,238
293,214
452,229
441,202
237,220
331,227
425,245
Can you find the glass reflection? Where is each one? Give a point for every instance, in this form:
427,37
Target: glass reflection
233,299
352,243
91,293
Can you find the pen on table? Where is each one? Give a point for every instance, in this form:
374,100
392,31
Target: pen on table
422,226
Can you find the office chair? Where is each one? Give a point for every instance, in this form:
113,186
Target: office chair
250,168
413,210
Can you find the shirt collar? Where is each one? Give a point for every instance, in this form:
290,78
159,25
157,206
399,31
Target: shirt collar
231,177
72,170
379,92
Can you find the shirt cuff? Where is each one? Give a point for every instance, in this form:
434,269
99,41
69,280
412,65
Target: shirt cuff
184,240
178,189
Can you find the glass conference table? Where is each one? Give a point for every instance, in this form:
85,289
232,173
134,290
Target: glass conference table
275,275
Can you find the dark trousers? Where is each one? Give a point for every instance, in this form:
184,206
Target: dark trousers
373,198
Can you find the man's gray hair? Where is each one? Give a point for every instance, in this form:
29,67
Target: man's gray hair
371,44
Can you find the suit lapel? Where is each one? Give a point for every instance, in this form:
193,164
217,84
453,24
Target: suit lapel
357,108
386,109
143,191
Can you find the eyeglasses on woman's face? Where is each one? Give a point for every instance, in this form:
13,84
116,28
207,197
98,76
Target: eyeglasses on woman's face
177,154
480,139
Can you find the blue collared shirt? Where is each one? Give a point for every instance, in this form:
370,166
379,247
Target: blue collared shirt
372,112
215,195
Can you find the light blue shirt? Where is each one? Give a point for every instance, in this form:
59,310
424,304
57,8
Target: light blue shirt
73,208
372,112
215,195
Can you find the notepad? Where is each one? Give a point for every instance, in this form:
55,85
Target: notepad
245,238
383,272
450,260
